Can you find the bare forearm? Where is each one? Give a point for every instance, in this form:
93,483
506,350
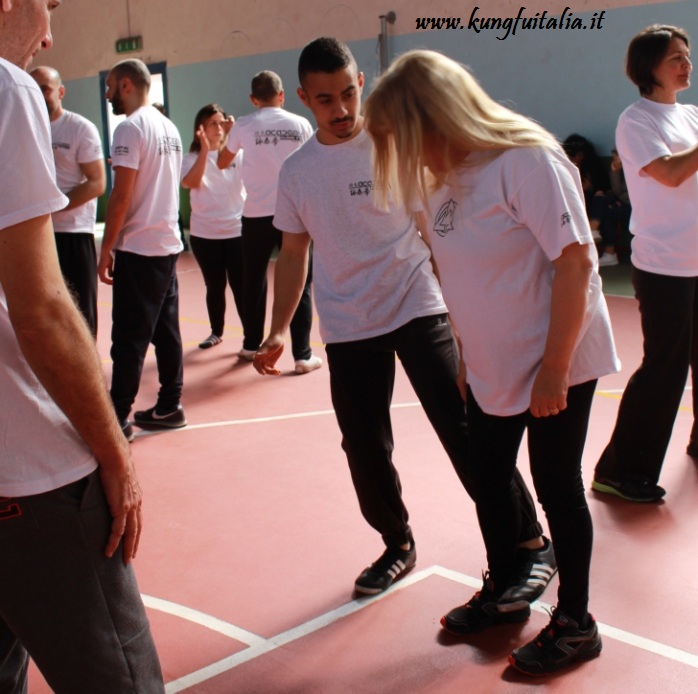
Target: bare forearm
673,170
117,208
83,194
289,280
194,176
567,309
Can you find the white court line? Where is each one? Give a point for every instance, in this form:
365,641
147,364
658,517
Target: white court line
291,635
266,646
203,619
302,415
262,420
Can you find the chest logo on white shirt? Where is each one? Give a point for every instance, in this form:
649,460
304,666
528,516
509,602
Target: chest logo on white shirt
360,188
443,222
565,219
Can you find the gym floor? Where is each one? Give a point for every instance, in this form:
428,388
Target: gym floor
253,539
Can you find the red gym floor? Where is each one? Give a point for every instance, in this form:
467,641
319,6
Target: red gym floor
253,539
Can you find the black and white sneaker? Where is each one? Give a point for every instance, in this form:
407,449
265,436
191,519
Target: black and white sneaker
211,341
533,573
128,430
483,611
393,564
153,420
560,644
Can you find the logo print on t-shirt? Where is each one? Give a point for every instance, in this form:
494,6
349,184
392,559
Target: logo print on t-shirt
360,188
443,222
273,137
566,219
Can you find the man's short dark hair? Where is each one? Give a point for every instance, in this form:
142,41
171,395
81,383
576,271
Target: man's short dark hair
134,70
646,51
266,85
324,55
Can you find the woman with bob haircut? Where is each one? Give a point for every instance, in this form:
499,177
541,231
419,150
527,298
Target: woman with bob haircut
217,197
509,233
657,139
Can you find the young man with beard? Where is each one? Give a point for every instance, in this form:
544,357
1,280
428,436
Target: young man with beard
77,151
140,248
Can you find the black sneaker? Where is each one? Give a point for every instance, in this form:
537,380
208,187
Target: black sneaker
211,341
152,419
560,644
393,564
483,611
128,430
534,570
639,491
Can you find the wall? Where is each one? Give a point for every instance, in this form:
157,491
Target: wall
568,80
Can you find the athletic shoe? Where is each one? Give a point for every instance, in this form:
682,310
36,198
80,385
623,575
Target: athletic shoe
534,570
151,419
305,366
128,430
608,260
641,492
483,611
560,644
393,564
247,354
211,341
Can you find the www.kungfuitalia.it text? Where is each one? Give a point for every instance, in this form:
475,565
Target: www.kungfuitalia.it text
508,26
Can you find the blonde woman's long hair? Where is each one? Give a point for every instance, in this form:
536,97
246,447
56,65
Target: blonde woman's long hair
426,99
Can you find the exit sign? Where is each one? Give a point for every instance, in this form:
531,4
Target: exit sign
132,43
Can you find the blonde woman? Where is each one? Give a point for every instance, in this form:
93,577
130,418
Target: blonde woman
509,233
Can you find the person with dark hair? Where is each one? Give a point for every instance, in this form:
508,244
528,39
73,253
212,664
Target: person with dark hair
140,248
378,298
70,501
604,209
217,197
516,261
267,137
657,139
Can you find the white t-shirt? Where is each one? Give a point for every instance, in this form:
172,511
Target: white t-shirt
664,220
268,136
494,235
41,450
75,141
216,205
372,272
150,142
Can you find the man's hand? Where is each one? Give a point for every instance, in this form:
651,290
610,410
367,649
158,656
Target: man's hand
268,354
124,498
105,268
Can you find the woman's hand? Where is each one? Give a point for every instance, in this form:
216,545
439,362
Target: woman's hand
549,393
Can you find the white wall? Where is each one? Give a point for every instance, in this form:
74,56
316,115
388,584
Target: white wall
568,80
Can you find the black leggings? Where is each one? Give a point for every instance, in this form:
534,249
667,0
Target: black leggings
555,446
220,261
